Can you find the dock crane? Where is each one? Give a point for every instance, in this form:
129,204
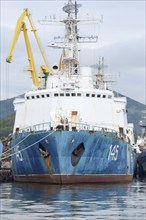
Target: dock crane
21,26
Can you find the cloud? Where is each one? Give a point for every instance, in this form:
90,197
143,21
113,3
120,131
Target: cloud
122,44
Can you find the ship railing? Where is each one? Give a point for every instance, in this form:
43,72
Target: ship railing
90,127
42,126
70,126
37,127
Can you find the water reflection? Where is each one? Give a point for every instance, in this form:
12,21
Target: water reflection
38,201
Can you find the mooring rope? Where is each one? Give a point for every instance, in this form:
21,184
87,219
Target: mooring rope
26,147
16,144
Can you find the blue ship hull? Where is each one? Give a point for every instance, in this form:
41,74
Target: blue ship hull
71,157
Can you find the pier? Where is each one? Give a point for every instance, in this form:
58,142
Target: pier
5,161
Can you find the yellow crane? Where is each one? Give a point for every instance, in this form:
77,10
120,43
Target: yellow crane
21,26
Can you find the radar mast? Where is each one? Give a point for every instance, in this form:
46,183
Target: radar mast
70,57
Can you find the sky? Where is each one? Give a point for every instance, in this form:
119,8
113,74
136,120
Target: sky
121,40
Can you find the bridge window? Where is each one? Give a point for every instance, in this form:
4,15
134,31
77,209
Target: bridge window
32,97
78,94
93,95
61,94
87,95
55,94
104,96
67,94
73,94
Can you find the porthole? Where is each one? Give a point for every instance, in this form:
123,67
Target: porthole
73,94
43,96
67,94
38,96
32,97
55,94
93,95
98,96
61,94
87,95
104,96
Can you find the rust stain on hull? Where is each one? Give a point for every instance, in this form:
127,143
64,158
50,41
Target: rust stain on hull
73,179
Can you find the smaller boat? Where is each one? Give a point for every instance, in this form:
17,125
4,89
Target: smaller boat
140,159
141,163
140,155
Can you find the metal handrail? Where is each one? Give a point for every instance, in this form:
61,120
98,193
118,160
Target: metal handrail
67,126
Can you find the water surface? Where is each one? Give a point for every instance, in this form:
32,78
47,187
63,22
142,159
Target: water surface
72,202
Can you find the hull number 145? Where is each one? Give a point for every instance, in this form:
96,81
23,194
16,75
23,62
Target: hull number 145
113,152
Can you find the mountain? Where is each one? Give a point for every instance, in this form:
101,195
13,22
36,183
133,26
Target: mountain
7,114
6,108
134,112
6,125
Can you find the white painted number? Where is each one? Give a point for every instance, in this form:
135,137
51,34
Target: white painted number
113,152
18,153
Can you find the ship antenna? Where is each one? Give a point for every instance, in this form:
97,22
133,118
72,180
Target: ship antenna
100,75
76,13
69,8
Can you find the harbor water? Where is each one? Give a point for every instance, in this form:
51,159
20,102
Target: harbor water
72,202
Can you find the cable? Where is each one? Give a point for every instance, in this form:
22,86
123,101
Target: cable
16,144
26,147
